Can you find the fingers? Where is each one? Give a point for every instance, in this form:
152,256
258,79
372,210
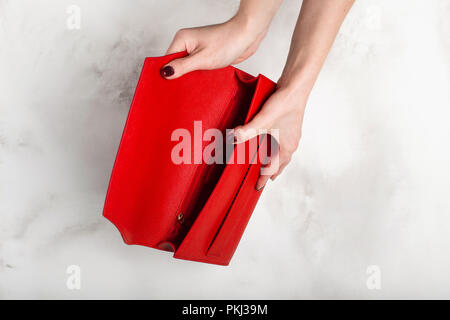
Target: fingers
262,122
178,44
277,165
280,170
250,130
266,172
258,125
262,180
183,41
178,67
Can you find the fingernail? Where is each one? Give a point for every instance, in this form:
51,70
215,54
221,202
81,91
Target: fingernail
260,188
167,71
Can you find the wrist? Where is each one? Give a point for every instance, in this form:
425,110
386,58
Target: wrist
295,85
298,80
247,25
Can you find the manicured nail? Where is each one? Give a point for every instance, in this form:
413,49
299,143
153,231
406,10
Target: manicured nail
167,71
260,188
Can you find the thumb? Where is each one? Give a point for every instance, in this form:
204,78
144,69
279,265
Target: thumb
178,67
250,130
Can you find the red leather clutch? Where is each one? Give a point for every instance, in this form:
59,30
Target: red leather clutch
197,210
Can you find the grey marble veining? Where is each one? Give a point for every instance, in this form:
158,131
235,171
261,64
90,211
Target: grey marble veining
369,185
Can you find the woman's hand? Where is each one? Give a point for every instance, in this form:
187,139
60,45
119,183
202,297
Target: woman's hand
211,47
282,117
314,34
234,41
220,45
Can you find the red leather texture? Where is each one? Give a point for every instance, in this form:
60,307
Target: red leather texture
148,191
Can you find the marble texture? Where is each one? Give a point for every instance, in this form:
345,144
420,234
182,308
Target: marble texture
369,185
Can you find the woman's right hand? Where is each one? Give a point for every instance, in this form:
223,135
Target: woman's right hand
214,46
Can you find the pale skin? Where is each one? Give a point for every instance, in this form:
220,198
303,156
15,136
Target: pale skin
231,42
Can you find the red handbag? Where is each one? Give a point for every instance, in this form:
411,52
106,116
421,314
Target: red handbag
197,210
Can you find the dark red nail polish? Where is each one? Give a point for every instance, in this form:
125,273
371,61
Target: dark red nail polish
167,71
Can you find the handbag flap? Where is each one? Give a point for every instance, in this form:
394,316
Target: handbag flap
214,236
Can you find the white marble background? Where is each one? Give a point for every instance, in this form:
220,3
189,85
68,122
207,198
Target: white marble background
369,185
